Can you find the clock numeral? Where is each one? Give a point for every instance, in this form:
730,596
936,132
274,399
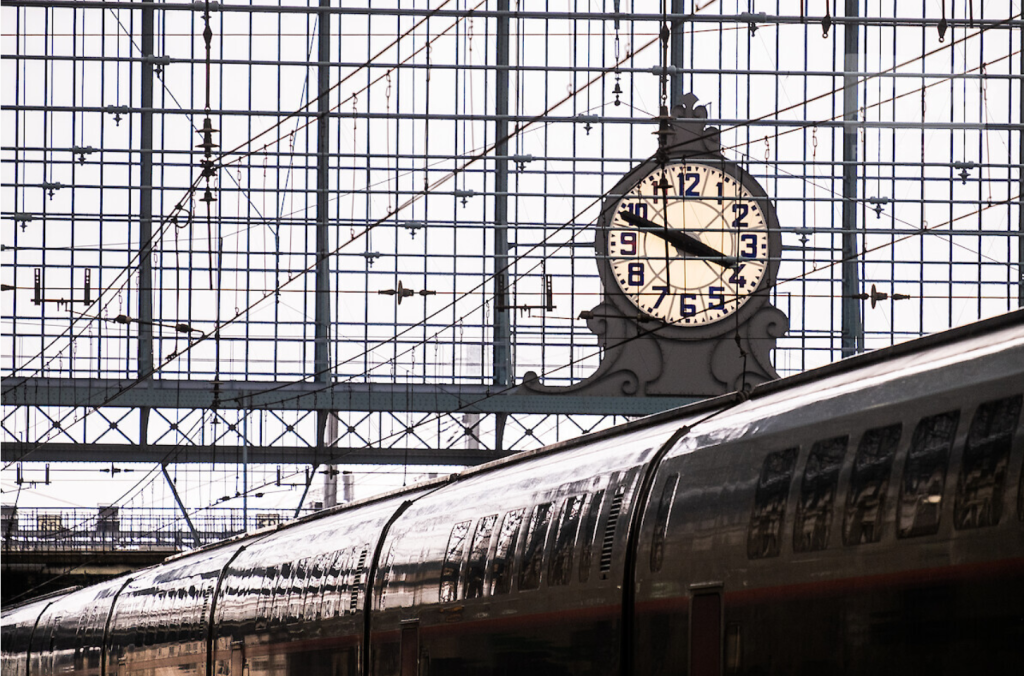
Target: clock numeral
741,210
688,184
635,274
627,239
749,242
737,277
721,192
716,297
637,209
664,292
687,309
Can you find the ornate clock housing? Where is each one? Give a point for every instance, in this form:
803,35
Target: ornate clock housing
688,244
688,248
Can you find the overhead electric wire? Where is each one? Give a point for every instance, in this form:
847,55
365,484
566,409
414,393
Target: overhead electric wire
518,130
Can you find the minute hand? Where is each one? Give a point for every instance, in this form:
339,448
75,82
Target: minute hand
680,240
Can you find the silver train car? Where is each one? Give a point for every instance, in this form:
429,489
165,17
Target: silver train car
862,518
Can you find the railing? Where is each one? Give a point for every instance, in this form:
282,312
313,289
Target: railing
126,529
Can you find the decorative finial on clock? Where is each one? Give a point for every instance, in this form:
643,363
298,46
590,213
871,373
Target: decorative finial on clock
688,132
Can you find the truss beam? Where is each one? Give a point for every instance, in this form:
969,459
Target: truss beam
270,455
307,396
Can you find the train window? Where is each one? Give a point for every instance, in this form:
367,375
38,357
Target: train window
560,568
817,494
477,567
765,531
453,561
590,535
668,495
504,551
610,526
869,483
533,550
979,490
924,475
296,595
312,603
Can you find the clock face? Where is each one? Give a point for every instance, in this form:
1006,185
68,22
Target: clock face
690,255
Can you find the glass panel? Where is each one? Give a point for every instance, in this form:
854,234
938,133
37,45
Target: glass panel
924,475
560,569
817,495
533,553
453,562
979,491
590,535
477,567
501,564
765,531
869,483
661,523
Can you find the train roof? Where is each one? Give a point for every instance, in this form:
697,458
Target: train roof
712,404
708,406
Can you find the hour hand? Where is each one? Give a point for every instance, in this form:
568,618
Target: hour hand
680,240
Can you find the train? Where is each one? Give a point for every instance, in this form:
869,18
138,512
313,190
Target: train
865,517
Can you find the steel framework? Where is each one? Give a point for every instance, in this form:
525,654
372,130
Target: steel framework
312,233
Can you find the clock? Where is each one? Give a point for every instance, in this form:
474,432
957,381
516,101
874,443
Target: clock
689,241
687,246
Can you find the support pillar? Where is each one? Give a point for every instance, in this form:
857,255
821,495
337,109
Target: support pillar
502,315
676,56
852,327
1020,179
322,318
145,324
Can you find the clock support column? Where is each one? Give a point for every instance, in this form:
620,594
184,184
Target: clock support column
502,325
853,331
677,55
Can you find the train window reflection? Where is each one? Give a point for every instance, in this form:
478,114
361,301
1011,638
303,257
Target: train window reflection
560,568
668,495
818,494
297,593
501,564
590,535
333,587
453,561
924,475
533,551
477,566
869,483
979,490
765,531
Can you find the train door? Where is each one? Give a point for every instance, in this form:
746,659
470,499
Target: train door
706,632
410,650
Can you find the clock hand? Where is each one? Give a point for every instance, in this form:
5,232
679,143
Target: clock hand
680,240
